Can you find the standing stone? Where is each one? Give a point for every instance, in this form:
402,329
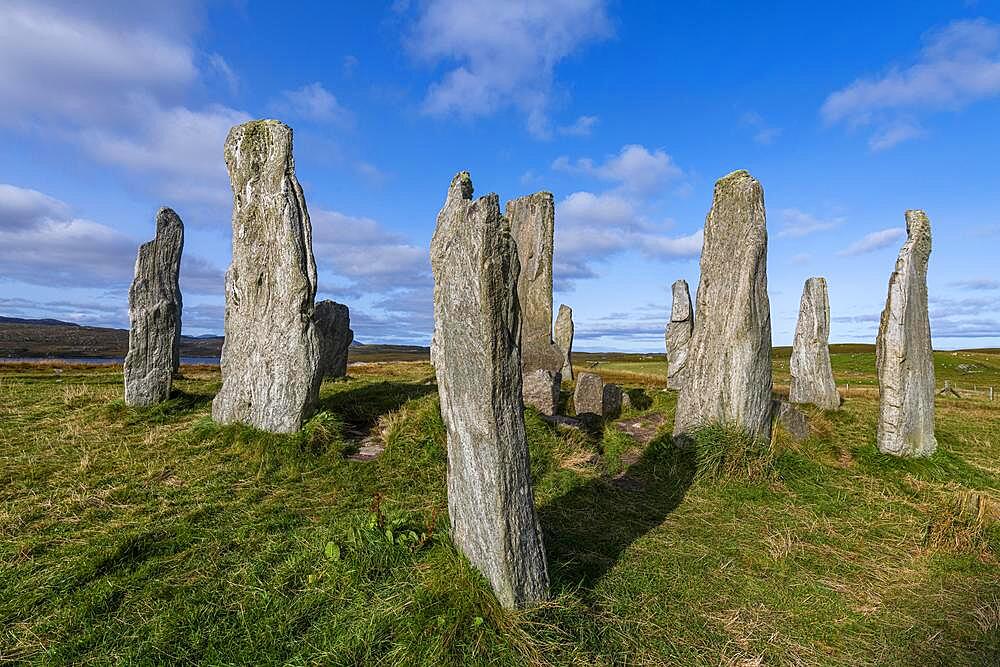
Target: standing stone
678,334
532,222
477,360
812,375
729,356
271,357
903,351
541,390
564,339
154,311
333,322
593,398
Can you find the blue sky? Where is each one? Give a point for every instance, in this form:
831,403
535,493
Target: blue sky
848,113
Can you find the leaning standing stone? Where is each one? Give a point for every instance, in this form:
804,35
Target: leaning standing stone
476,356
812,375
333,321
678,334
564,339
271,365
903,351
729,357
154,310
532,223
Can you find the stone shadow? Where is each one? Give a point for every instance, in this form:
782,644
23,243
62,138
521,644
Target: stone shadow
588,528
360,407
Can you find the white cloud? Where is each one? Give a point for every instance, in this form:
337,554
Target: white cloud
959,65
22,208
505,53
581,127
798,223
874,241
764,134
311,102
220,67
635,168
976,284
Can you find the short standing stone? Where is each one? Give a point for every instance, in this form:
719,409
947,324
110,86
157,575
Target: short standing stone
333,321
154,309
793,420
729,356
564,339
476,356
541,390
812,375
678,334
593,398
271,365
903,353
532,223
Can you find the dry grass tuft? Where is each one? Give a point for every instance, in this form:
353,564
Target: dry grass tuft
962,525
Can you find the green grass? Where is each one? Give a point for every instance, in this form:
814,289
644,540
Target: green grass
157,537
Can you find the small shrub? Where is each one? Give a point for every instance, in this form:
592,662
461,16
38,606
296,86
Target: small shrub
726,451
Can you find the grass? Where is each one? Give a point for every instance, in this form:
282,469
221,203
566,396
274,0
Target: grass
155,536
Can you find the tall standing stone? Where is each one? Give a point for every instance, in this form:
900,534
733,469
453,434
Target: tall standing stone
903,351
476,356
678,334
564,339
154,311
333,321
271,357
729,357
812,375
532,222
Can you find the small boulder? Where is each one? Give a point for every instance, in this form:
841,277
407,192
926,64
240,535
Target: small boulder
541,390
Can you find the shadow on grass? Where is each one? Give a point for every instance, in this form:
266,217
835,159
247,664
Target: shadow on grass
588,528
361,406
181,403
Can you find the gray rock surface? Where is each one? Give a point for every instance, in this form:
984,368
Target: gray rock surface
903,354
593,398
541,390
154,312
333,323
564,339
812,375
678,334
613,399
729,356
532,223
271,358
477,360
793,420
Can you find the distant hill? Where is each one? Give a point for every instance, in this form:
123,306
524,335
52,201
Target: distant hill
44,322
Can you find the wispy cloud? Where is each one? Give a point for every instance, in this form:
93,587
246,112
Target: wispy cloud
635,168
976,284
763,133
581,127
797,223
874,241
311,102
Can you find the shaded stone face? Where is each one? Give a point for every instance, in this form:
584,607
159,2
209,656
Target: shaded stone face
812,375
903,353
541,390
564,339
154,311
595,399
532,223
333,324
271,365
729,356
678,334
476,357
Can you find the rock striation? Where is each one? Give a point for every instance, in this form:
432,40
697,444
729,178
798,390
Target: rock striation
678,334
903,354
564,339
477,360
812,375
333,322
154,311
541,390
271,357
729,357
532,223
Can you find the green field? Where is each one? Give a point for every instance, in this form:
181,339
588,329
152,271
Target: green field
156,537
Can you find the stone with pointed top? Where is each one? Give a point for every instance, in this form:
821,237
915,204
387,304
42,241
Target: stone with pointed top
812,375
678,334
333,321
477,360
564,339
729,356
271,357
903,354
154,310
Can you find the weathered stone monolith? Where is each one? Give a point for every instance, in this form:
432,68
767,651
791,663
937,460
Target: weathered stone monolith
333,322
477,360
271,357
593,398
154,311
678,334
729,356
903,351
812,375
541,390
564,339
532,223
